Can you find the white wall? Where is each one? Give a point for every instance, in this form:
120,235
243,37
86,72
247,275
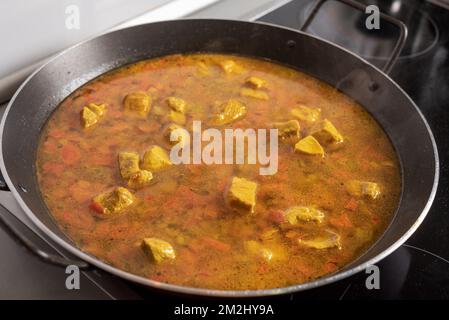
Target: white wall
31,30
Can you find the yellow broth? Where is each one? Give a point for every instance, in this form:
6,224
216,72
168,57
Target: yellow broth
185,204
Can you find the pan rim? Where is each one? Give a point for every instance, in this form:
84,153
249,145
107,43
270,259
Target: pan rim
212,292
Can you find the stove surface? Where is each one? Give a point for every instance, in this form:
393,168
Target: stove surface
418,269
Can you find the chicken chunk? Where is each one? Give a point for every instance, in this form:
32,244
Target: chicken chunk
296,214
183,135
177,104
140,179
155,159
256,94
232,110
113,201
288,131
305,113
258,250
128,163
98,109
229,66
329,240
363,188
91,114
255,82
328,133
309,145
138,102
177,117
88,117
242,194
158,250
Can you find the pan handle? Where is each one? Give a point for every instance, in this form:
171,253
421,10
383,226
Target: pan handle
359,6
25,242
22,240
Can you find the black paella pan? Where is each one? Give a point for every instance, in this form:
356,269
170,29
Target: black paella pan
402,121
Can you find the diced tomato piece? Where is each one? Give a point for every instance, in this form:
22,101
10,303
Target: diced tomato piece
330,266
276,216
341,222
70,154
96,207
352,204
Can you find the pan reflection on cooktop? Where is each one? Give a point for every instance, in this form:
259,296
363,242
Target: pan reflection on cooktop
409,273
345,26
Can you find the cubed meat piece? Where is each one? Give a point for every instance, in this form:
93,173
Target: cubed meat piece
232,110
183,135
327,132
177,117
88,117
288,131
155,159
202,68
242,195
140,179
229,67
258,250
296,214
363,188
128,163
138,102
177,104
91,114
113,201
305,113
255,82
256,94
158,250
328,240
98,109
309,145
